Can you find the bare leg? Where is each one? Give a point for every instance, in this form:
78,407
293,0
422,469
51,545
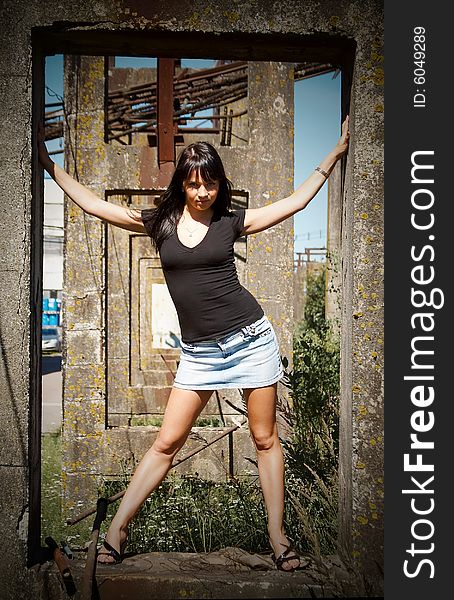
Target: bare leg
261,405
183,407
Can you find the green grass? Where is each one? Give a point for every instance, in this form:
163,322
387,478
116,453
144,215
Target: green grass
52,522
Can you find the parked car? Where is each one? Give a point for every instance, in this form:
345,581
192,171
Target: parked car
50,339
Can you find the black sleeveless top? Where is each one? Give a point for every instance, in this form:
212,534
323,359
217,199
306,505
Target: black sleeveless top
203,282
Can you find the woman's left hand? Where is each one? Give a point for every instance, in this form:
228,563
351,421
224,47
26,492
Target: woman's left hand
342,145
43,154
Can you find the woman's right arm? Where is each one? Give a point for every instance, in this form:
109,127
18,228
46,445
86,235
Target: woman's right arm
121,216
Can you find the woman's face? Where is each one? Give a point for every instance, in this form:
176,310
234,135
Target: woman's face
200,195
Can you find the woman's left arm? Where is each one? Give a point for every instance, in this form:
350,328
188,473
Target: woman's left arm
258,219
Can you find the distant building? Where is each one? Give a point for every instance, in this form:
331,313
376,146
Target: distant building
52,252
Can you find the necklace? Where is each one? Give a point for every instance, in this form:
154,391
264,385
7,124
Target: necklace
190,231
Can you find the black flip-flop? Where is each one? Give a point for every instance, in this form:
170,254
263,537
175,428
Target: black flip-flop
289,554
117,556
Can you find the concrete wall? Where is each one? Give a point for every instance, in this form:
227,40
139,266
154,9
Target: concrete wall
257,30
111,371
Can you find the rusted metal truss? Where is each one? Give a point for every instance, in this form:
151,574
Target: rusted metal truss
135,109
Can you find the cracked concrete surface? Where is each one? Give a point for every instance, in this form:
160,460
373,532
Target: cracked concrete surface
228,573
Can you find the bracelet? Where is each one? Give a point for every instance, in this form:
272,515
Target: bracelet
324,173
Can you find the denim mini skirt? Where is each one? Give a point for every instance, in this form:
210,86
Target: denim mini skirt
246,358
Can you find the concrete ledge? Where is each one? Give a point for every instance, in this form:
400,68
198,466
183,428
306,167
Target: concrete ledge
229,573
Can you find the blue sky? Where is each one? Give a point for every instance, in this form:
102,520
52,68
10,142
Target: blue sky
317,128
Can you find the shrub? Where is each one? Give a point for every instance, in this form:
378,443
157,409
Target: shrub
312,449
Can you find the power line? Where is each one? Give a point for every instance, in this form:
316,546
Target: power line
310,235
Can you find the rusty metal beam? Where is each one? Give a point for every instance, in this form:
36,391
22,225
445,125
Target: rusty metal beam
166,144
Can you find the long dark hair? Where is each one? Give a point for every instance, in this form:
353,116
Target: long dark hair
201,157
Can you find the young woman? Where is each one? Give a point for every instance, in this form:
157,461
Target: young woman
227,341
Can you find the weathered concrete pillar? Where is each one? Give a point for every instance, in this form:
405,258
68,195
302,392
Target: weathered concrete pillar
83,362
264,170
270,252
361,412
20,306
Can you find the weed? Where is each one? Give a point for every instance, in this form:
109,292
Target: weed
190,514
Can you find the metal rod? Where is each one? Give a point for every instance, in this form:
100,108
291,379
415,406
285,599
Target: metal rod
231,469
90,563
229,129
166,145
224,125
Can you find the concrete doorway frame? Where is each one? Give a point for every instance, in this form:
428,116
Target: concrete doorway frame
337,50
